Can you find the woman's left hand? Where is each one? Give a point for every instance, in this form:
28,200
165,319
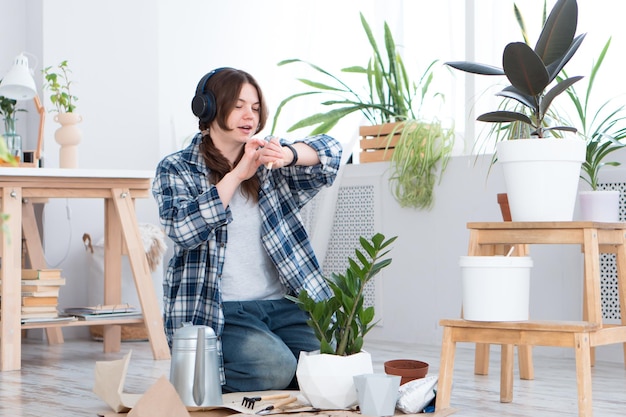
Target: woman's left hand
271,155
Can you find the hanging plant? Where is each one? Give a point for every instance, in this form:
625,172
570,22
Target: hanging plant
419,159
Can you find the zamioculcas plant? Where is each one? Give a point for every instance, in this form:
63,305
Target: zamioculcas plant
341,322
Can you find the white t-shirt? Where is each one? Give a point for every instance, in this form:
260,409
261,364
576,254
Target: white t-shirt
249,273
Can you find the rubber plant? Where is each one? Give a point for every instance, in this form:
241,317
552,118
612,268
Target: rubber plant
532,70
386,95
341,321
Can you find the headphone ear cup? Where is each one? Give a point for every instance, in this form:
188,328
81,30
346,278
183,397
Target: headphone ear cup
203,106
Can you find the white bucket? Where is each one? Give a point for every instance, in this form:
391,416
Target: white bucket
496,288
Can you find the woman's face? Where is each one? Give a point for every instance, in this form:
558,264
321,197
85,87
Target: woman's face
244,118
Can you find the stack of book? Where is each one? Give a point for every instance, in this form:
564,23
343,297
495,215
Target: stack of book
40,292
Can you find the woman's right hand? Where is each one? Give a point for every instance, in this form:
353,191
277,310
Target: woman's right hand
250,161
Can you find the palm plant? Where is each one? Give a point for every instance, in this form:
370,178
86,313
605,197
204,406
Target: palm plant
390,95
603,129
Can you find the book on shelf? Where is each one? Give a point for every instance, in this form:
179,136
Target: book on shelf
35,274
42,293
102,309
35,285
40,315
39,309
40,301
40,288
63,319
108,316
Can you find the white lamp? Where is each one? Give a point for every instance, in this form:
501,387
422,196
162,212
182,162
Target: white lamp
19,84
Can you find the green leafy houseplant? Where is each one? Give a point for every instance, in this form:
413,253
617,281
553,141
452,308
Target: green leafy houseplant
387,95
531,71
602,128
59,83
341,322
8,110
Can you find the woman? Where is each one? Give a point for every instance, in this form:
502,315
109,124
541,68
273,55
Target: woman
230,203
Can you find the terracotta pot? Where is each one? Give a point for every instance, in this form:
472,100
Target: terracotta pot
408,369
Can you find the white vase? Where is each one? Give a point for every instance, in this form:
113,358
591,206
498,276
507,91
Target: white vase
377,394
68,136
326,381
541,177
599,206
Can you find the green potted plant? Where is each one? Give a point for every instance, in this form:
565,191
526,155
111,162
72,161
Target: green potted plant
541,173
389,100
8,111
340,324
59,84
603,129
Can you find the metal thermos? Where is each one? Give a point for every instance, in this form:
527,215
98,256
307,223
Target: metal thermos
194,370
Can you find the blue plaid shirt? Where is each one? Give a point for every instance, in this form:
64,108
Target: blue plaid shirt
195,219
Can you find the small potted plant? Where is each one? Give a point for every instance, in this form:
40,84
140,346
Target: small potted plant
340,323
418,148
603,128
533,167
8,110
68,135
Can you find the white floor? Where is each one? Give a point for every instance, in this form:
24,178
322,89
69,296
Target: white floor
58,380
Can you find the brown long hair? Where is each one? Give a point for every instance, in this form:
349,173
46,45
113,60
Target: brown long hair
226,86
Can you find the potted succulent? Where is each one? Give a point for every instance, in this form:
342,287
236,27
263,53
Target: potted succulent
603,129
390,101
68,135
340,323
541,173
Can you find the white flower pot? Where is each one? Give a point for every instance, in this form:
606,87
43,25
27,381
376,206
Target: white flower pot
326,381
599,206
541,177
377,394
496,288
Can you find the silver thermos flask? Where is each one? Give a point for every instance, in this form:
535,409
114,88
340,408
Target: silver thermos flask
194,370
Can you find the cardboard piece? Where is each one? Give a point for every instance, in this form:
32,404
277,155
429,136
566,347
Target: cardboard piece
109,384
161,399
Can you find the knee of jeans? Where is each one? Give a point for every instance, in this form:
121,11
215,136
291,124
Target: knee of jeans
281,369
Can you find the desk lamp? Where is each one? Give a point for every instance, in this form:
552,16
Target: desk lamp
19,84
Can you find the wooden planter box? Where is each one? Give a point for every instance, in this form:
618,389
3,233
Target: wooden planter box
377,142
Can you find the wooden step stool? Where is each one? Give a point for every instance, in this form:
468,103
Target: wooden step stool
579,335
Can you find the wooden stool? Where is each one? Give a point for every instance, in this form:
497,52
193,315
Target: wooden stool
579,335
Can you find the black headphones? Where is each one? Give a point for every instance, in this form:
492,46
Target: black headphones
203,104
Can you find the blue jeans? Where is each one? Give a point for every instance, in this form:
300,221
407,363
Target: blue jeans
261,344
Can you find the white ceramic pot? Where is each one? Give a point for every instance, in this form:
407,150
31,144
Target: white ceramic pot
326,381
496,288
599,206
541,177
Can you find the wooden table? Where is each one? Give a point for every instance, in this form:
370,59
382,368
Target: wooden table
594,238
19,187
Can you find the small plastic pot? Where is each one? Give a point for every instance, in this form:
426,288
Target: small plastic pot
408,369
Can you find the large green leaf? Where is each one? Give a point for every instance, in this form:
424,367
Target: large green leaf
525,69
558,31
